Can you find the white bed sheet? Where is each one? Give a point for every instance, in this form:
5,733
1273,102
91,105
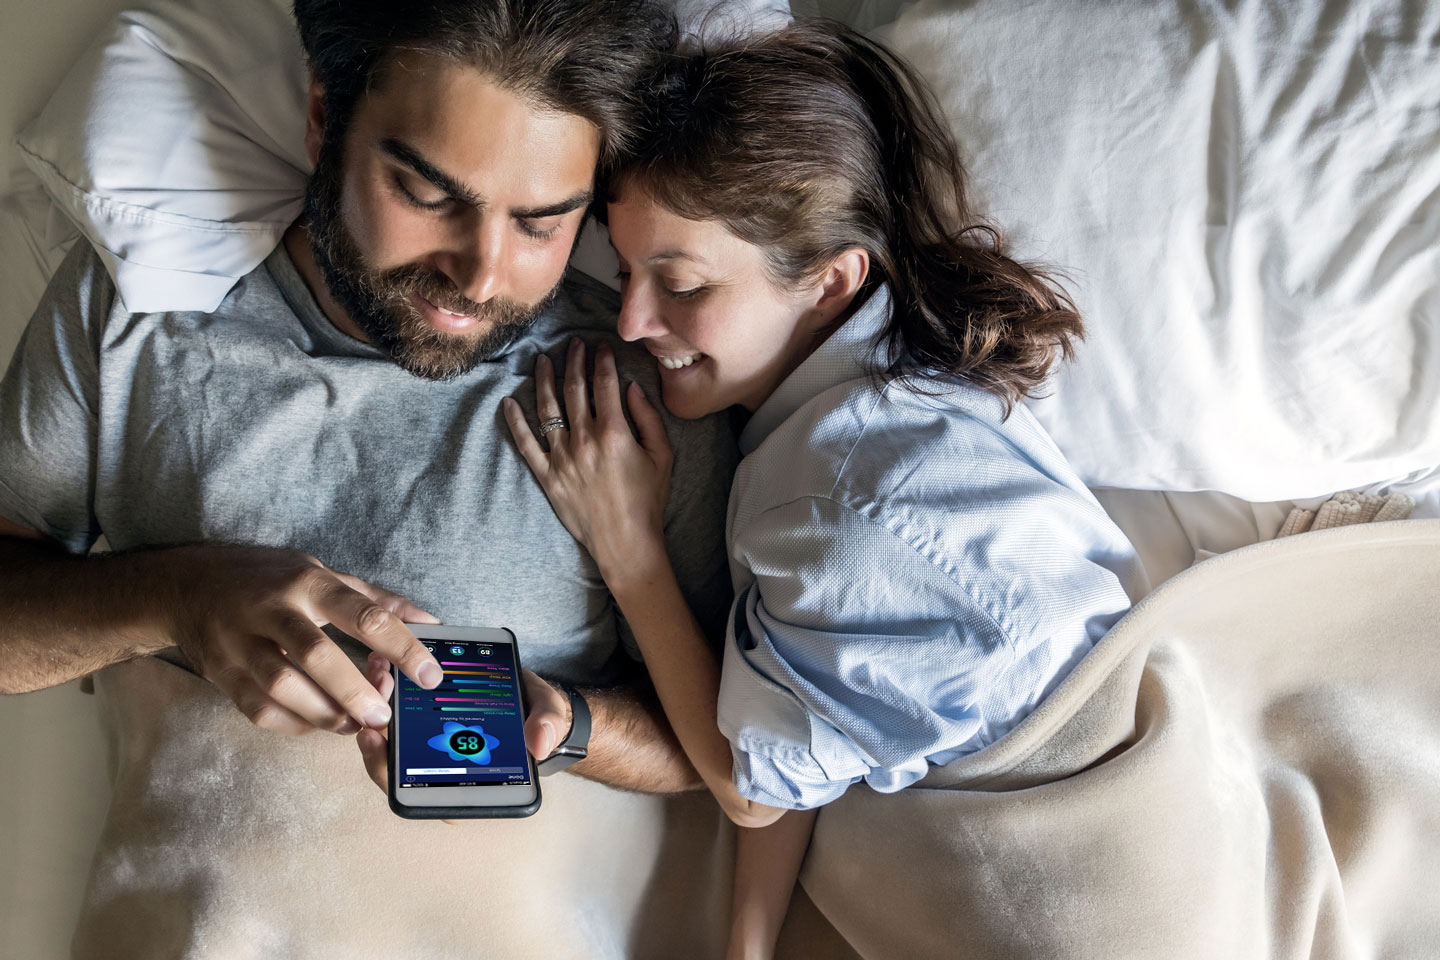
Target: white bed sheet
53,788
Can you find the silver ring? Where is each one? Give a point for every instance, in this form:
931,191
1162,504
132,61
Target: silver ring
554,423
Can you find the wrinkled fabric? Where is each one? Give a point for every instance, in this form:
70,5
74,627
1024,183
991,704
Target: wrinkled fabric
913,576
1247,765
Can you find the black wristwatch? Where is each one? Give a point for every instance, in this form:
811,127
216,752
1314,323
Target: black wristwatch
573,749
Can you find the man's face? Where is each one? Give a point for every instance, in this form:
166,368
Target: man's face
444,219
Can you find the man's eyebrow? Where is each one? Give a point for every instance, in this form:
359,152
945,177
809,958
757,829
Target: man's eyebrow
581,199
409,156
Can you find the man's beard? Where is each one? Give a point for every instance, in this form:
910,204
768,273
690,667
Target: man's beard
379,301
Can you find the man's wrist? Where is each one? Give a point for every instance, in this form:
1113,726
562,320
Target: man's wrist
574,746
569,723
177,573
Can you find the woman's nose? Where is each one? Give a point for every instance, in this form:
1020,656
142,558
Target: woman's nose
639,317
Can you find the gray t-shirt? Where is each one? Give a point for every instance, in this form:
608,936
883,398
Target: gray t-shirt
261,423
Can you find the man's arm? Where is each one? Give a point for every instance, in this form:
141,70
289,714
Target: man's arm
631,743
63,617
247,618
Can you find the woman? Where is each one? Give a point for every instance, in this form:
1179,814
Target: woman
916,566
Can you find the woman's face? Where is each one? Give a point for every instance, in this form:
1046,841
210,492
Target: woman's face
700,301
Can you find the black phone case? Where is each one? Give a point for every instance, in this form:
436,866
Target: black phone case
461,813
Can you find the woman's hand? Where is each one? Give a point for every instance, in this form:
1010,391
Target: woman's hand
608,489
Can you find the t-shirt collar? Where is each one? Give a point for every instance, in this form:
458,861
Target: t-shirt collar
847,354
292,286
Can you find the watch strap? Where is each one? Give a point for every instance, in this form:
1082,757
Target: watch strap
574,747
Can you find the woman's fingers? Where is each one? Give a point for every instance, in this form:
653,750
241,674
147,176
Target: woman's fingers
647,419
530,448
607,390
577,400
547,405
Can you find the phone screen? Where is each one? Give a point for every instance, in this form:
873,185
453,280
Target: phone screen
468,731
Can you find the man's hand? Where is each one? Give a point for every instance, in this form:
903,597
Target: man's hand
631,746
547,724
249,622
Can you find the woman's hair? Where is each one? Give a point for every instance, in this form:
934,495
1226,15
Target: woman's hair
583,57
814,140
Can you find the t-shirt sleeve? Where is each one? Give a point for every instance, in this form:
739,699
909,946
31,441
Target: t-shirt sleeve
851,653
49,407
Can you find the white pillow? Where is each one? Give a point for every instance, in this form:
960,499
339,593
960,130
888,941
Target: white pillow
1247,204
176,144
1247,198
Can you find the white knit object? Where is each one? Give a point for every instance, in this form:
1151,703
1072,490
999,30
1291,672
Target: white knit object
1346,508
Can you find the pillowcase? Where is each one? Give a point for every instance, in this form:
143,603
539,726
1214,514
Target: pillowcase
1246,200
176,145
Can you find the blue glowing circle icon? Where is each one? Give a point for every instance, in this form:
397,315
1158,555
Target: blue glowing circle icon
465,744
457,651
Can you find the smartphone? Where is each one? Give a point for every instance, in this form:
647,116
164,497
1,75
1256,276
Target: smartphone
459,750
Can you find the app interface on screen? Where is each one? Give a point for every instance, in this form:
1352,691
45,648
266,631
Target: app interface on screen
468,731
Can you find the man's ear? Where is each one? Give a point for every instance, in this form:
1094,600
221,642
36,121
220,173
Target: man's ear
314,120
838,287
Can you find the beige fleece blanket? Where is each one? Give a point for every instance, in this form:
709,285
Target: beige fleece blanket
226,842
1247,766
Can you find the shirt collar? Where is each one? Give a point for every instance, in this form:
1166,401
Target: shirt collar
847,354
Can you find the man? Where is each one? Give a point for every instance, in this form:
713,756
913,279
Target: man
333,427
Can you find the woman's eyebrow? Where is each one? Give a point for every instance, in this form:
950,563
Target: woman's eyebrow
410,157
678,255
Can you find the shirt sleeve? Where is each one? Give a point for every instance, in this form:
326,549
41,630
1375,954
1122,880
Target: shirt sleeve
49,407
851,655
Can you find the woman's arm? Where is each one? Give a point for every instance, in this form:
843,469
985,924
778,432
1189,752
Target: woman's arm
767,864
610,492
684,671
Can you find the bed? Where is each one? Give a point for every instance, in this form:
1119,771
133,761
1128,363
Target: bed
1143,151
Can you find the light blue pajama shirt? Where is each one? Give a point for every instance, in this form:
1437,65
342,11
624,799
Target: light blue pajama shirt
913,576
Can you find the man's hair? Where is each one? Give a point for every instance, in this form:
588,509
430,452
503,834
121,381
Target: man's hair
582,57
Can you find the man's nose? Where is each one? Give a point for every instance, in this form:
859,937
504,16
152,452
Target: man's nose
478,268
639,317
